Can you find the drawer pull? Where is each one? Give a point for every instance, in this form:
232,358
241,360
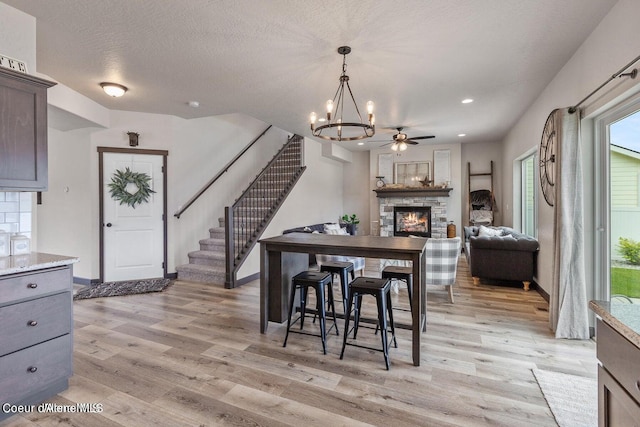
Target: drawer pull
32,323
32,369
32,285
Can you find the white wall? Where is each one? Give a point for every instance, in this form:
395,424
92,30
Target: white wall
18,36
67,215
357,190
418,153
610,46
197,148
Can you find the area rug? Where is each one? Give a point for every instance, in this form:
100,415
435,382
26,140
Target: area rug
114,289
573,400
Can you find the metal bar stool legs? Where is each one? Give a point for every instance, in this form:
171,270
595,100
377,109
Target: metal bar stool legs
319,281
379,288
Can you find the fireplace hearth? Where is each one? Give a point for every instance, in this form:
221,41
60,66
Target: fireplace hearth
412,220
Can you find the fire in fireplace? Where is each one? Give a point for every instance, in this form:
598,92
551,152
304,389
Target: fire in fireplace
412,220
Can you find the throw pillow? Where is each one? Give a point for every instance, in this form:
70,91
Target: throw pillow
486,231
335,230
328,227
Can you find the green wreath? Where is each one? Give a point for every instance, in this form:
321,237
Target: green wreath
118,187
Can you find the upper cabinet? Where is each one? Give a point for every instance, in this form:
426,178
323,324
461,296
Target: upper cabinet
23,131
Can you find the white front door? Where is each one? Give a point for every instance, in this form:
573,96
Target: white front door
133,237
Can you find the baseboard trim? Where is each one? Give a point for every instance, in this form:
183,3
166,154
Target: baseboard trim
247,279
172,276
543,293
84,281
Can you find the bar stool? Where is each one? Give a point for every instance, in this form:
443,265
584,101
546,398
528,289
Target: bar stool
400,273
341,268
379,288
319,281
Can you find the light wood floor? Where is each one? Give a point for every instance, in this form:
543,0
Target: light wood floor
193,356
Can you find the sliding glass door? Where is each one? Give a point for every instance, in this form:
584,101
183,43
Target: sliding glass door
618,207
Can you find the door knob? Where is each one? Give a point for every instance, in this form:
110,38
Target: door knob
108,224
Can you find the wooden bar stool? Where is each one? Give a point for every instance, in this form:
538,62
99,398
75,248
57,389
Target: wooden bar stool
342,269
379,288
319,281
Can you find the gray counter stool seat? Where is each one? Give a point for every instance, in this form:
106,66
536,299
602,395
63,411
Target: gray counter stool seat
380,289
319,281
343,269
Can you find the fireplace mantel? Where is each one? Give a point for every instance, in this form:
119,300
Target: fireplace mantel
413,191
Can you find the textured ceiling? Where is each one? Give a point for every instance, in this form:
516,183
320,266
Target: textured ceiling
276,60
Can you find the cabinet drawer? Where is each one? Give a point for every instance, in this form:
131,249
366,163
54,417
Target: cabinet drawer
34,284
620,358
31,322
34,368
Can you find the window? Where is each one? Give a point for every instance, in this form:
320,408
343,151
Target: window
528,195
617,133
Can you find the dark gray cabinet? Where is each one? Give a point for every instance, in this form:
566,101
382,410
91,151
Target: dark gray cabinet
23,131
36,338
618,379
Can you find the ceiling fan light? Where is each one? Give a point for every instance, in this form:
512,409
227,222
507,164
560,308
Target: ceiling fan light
403,146
113,89
394,147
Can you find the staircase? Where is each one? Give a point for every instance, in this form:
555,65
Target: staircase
221,255
206,265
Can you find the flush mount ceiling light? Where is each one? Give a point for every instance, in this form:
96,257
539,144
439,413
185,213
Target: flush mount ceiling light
113,89
336,128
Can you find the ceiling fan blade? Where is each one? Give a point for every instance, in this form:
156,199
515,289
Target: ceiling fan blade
408,141
423,137
388,143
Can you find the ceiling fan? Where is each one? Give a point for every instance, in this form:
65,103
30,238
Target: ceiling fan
401,140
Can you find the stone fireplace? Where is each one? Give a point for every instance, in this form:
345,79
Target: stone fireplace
419,201
437,204
412,221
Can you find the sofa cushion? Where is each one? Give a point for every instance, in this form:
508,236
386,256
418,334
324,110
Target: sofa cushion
486,231
507,242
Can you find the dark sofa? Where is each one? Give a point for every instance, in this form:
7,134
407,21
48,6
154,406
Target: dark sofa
510,256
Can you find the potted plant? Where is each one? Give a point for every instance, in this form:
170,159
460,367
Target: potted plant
351,222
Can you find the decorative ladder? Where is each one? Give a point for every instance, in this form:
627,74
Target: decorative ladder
221,255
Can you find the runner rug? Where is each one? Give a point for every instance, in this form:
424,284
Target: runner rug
573,400
114,289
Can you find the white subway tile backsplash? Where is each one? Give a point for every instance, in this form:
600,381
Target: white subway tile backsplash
15,212
12,196
12,217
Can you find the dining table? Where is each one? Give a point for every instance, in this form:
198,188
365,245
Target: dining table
284,256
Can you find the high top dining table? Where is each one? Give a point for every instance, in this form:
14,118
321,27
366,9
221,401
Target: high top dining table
282,257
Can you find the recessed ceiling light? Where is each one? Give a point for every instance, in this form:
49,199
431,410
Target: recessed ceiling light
113,89
467,101
360,143
193,104
322,119
462,134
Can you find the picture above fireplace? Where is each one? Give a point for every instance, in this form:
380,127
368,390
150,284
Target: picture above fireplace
412,220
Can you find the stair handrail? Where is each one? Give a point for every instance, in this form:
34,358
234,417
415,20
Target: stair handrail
225,169
237,252
293,138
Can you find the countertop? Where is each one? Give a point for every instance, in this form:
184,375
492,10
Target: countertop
33,261
624,318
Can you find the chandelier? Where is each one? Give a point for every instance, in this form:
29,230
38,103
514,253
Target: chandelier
334,126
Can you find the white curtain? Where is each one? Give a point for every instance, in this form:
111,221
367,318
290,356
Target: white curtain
568,311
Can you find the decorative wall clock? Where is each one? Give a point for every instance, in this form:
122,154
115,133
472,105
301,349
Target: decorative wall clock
547,158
